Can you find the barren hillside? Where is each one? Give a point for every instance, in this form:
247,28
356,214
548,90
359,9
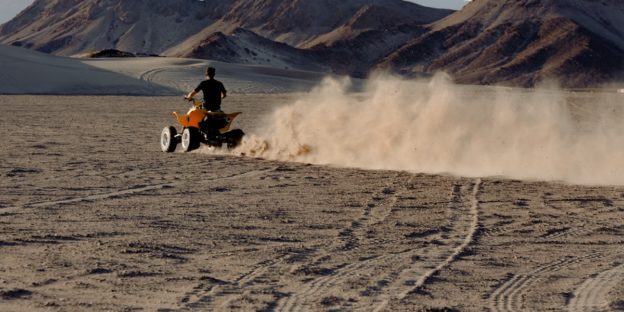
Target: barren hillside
266,32
579,43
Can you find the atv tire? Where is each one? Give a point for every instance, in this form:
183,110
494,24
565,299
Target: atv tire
190,139
168,140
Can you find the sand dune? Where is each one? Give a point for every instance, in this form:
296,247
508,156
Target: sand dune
184,74
24,71
28,72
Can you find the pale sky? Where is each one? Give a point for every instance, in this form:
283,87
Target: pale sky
10,8
445,4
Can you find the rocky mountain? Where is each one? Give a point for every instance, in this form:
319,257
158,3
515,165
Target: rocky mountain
348,41
279,32
69,27
246,47
514,42
300,22
523,42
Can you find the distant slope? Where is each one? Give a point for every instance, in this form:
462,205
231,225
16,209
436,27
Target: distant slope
30,72
577,42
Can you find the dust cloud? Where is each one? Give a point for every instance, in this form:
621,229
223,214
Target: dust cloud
435,126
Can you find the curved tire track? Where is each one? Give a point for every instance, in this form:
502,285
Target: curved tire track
383,200
407,280
400,291
204,297
159,76
150,74
591,295
125,192
130,191
509,295
386,198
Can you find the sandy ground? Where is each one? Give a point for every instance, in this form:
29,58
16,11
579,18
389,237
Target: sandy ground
95,218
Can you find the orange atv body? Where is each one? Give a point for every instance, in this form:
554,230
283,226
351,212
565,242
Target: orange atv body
201,126
195,116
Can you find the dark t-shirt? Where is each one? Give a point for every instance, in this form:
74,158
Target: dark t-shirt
212,90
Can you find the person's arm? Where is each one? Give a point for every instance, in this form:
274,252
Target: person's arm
191,95
223,91
194,92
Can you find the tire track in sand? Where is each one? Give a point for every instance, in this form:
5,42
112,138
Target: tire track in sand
150,74
376,210
351,236
155,76
592,294
406,281
219,294
125,192
402,288
563,232
130,191
509,295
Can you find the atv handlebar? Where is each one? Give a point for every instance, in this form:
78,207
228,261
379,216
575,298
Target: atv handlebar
195,102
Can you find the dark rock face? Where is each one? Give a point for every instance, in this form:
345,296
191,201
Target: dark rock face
111,53
520,43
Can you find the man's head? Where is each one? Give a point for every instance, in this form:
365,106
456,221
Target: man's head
210,72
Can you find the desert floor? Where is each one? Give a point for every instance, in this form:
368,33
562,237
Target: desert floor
93,217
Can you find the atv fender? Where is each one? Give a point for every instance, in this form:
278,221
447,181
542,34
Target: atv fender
192,119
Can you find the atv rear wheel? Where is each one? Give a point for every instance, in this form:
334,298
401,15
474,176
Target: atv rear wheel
190,139
234,138
168,140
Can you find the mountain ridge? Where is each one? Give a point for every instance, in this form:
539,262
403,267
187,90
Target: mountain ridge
520,43
579,43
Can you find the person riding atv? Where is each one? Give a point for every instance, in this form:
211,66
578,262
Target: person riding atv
201,126
213,91
204,123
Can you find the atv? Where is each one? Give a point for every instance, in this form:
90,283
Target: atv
201,126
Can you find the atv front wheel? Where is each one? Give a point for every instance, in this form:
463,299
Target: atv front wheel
168,140
190,139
